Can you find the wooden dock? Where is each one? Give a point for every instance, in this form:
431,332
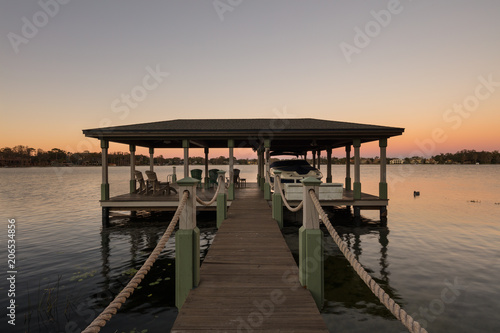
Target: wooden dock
249,280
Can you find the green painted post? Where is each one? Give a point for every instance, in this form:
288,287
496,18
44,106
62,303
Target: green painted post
382,187
133,183
311,271
277,202
230,190
104,183
357,180
104,191
221,201
187,245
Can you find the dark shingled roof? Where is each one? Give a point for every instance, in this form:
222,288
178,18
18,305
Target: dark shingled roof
288,133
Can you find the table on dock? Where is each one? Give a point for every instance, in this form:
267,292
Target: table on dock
249,279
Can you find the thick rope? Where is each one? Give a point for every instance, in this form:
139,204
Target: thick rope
292,209
407,320
116,304
208,203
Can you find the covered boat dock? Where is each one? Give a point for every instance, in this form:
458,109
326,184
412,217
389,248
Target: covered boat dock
266,137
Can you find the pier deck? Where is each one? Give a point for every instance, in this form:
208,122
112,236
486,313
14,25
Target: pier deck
249,279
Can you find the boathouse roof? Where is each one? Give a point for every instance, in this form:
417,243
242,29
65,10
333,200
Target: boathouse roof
297,134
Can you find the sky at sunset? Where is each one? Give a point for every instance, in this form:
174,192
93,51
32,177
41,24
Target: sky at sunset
432,67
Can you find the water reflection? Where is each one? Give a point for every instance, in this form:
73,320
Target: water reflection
130,240
343,287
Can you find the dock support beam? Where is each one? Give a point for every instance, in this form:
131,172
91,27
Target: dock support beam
185,145
132,169
105,183
348,168
382,188
277,202
187,245
261,176
329,165
311,270
357,161
267,176
206,180
230,144
151,159
221,200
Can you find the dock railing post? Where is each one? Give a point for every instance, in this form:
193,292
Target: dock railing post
187,244
277,201
221,200
311,271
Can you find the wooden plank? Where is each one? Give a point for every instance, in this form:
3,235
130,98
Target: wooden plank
249,279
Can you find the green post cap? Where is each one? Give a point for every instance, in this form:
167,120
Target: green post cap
221,172
188,181
277,172
311,181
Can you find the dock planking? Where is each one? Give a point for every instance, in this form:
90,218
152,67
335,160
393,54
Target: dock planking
249,280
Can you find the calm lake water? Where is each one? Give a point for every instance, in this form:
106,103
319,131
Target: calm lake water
439,257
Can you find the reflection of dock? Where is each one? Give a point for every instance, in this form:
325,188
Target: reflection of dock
249,279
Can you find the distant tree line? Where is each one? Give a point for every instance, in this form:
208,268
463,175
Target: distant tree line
24,156
469,157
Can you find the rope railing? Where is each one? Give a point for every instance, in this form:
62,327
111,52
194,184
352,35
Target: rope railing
292,209
101,320
407,320
208,203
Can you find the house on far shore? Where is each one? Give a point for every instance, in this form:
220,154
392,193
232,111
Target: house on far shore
396,161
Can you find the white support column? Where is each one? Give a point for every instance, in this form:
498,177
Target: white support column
348,168
357,168
185,145
132,169
267,185
151,159
329,165
382,192
230,144
105,183
206,179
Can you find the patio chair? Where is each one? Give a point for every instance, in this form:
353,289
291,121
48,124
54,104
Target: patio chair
236,177
143,189
158,187
196,174
213,177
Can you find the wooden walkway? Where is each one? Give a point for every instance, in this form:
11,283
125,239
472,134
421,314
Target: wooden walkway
249,279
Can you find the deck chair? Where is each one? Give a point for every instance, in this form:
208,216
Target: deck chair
196,174
213,177
143,189
236,177
158,187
